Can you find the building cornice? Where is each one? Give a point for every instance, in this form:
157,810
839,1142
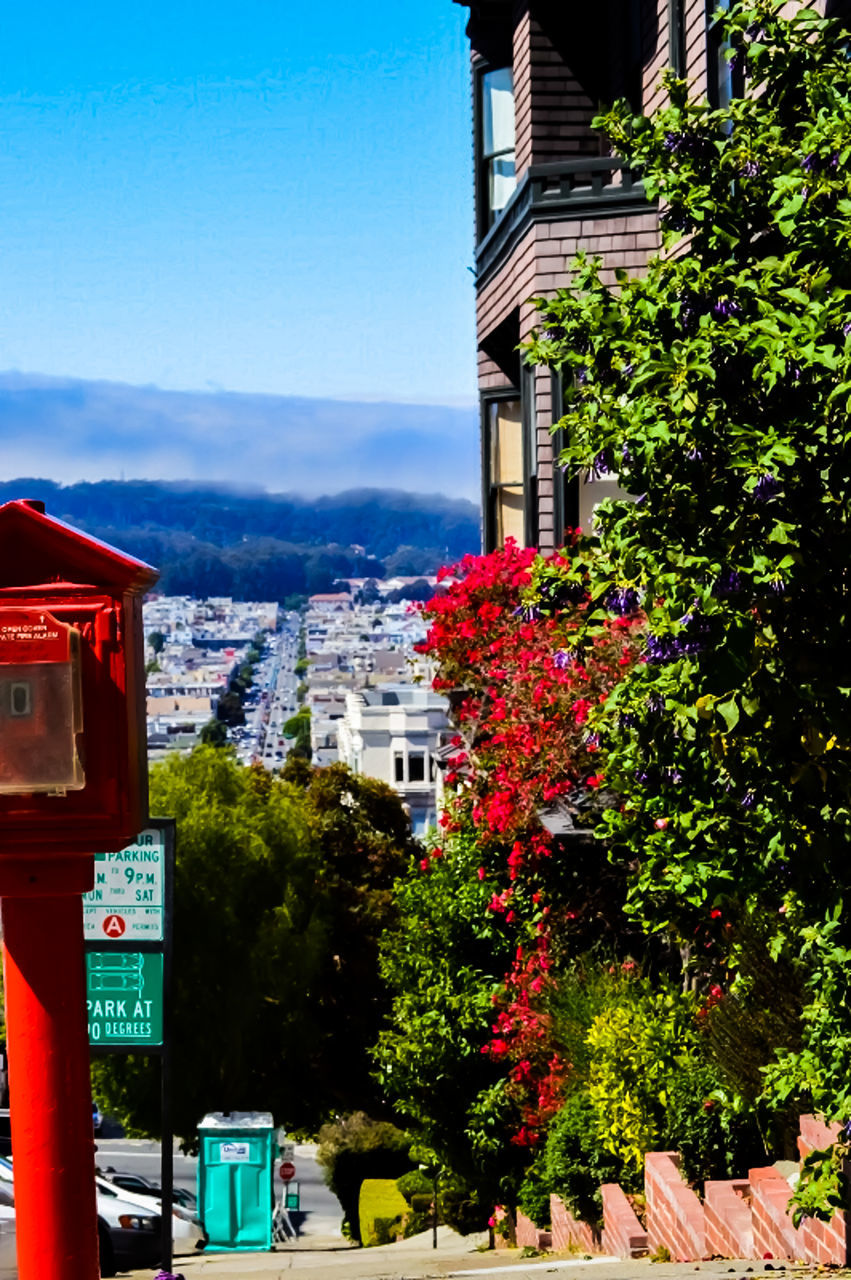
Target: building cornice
562,191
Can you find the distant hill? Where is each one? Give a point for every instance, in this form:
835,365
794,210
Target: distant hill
214,539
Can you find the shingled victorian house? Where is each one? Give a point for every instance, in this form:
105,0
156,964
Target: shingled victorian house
545,187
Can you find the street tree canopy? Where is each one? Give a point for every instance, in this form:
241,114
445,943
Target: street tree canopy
281,890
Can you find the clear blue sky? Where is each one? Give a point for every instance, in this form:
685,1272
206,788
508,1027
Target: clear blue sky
258,195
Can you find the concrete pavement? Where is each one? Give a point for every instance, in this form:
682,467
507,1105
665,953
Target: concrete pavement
457,1256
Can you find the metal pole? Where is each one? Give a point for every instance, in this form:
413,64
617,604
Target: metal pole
167,1149
167,1155
50,1090
434,1213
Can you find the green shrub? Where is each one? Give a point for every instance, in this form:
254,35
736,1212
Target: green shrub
534,1197
382,1210
574,1162
356,1148
715,1139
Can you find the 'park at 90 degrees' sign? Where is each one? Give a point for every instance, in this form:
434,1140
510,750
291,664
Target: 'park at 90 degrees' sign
126,903
124,996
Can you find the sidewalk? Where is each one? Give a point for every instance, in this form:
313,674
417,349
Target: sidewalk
415,1259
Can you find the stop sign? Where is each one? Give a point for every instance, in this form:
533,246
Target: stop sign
287,1171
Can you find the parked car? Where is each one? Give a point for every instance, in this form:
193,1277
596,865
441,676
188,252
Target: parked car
142,1186
187,1230
129,1231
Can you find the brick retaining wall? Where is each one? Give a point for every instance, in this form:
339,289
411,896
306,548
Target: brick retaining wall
728,1219
570,1232
774,1235
623,1234
529,1236
674,1214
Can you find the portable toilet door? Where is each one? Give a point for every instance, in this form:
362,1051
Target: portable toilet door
235,1166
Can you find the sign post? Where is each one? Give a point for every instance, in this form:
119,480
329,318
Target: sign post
128,927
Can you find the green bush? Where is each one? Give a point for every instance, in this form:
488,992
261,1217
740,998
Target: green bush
714,1139
382,1210
574,1162
357,1148
534,1198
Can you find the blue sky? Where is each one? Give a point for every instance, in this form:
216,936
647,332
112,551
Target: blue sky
263,196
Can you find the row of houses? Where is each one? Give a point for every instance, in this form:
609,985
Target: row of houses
369,693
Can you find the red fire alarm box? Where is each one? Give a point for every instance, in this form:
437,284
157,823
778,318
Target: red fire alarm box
73,769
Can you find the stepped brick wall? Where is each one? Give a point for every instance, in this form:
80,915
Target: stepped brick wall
815,1135
623,1234
774,1235
569,1232
529,1236
674,1214
728,1219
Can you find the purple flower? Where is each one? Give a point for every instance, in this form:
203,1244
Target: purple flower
723,308
562,659
641,775
626,720
808,163
623,601
777,586
626,456
748,800
655,703
766,487
728,583
846,328
694,455
846,1131
600,465
750,169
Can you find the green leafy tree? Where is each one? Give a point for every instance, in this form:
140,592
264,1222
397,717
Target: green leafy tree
277,907
297,729
444,965
718,387
156,640
214,734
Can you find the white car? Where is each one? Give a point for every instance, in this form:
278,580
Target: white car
187,1233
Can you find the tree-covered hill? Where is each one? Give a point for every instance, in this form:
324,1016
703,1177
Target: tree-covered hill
213,539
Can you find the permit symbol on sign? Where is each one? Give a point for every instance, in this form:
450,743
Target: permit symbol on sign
114,926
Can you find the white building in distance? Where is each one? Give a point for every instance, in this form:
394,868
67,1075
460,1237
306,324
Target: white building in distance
391,733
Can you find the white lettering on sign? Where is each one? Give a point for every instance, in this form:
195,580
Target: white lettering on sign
234,1152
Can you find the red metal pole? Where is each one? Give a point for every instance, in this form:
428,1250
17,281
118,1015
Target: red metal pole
49,1087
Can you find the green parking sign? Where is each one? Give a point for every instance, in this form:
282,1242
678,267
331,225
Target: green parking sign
124,995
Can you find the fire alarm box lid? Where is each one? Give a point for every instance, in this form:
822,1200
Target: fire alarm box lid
37,548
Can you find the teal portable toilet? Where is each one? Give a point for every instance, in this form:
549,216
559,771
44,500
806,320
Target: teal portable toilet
235,1165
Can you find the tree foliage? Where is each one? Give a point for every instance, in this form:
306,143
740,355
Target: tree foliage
718,387
281,892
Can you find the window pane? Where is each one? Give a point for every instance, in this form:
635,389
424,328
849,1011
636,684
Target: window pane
399,767
502,182
498,111
416,767
510,515
506,433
